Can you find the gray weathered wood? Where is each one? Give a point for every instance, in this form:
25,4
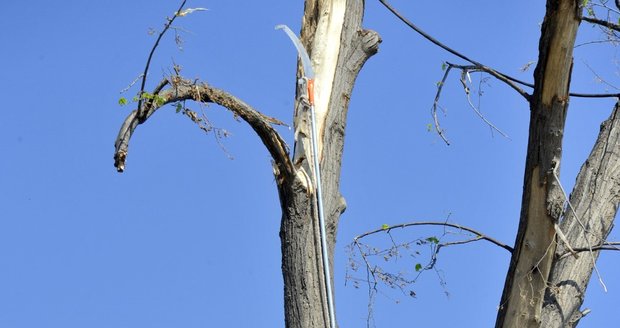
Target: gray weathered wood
595,199
542,204
338,46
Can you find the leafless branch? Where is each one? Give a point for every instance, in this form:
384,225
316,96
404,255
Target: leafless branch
140,113
435,223
509,80
132,83
401,280
440,85
601,22
465,69
593,42
607,246
464,74
500,76
599,78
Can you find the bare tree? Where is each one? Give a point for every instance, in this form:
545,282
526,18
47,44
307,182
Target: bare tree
544,286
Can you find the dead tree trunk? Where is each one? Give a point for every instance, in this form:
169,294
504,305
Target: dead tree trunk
338,46
594,200
542,203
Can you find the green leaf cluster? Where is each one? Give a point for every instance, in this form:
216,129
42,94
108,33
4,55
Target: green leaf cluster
433,240
159,100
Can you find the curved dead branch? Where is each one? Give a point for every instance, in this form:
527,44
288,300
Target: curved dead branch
479,235
181,90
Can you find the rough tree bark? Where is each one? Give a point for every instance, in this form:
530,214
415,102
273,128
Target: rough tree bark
544,287
595,199
542,203
339,47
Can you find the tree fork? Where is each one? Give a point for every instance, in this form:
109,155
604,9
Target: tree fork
338,46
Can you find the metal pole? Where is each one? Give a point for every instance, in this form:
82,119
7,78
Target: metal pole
319,196
309,80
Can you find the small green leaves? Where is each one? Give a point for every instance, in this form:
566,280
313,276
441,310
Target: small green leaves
385,226
159,100
418,267
147,95
439,84
429,127
433,240
585,2
179,107
444,66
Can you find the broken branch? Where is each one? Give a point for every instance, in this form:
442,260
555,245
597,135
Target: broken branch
182,90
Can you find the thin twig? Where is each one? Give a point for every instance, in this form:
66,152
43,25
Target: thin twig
606,246
375,274
148,61
433,223
598,77
593,42
460,242
436,104
509,80
464,72
372,284
131,84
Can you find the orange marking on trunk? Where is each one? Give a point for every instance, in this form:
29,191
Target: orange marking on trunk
311,91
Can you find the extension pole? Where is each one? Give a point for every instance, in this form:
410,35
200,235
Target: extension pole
319,202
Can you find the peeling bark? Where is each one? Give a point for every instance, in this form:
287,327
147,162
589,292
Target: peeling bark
338,47
542,203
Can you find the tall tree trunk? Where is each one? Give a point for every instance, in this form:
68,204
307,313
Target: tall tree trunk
332,34
542,203
594,199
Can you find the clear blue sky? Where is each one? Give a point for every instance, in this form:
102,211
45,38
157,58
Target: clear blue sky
187,237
